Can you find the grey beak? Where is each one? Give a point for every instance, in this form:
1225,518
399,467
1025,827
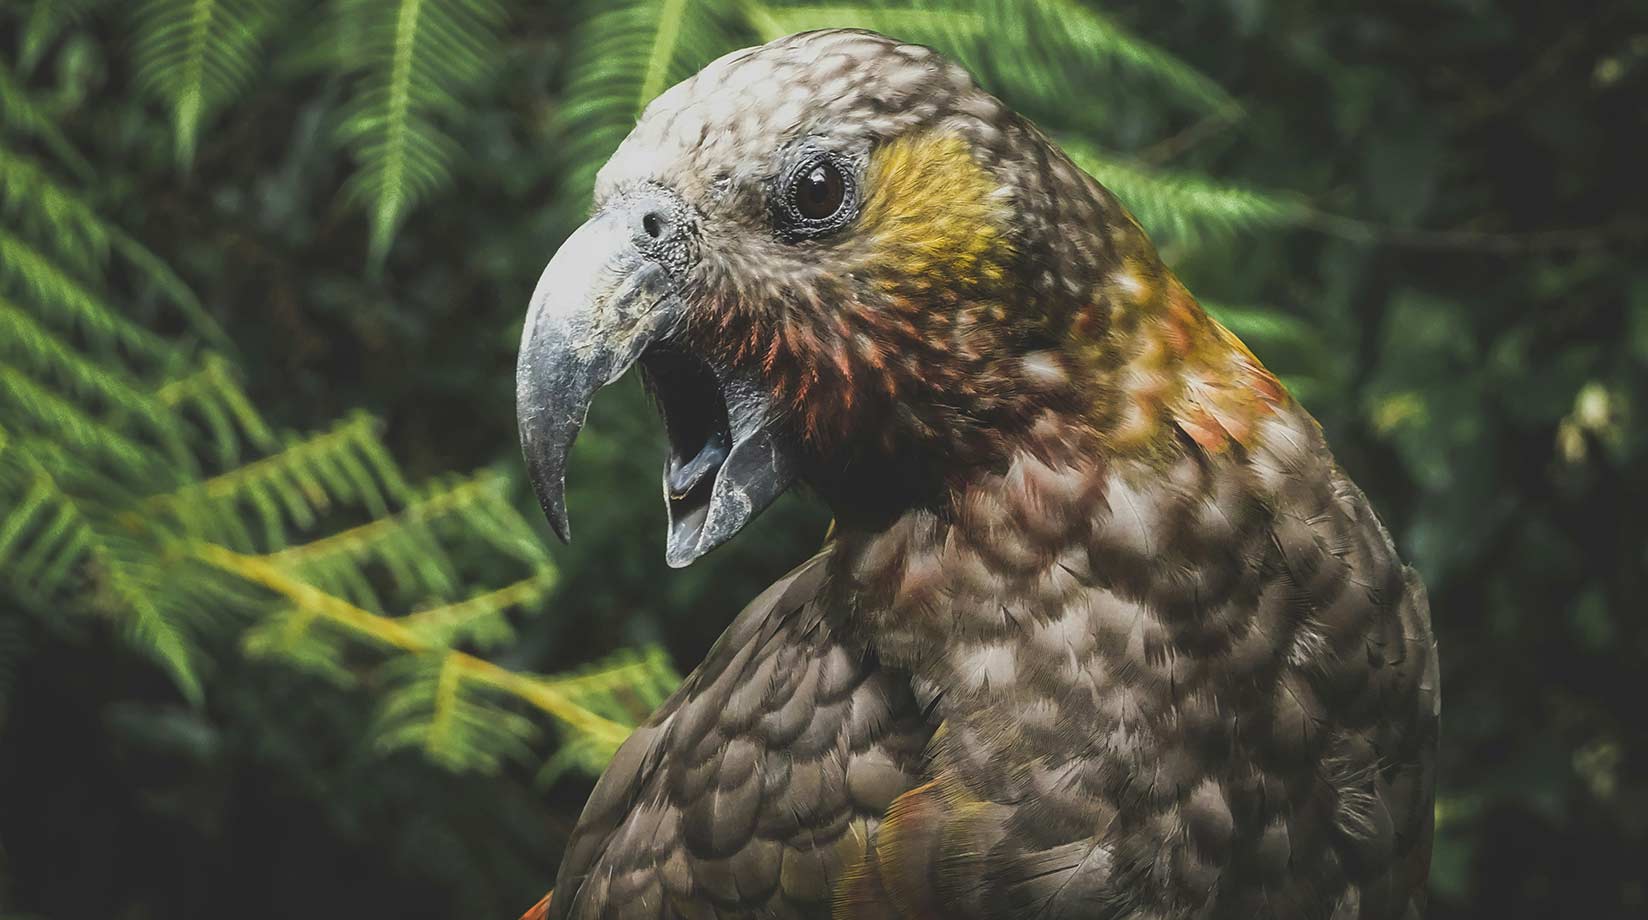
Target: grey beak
603,302
598,305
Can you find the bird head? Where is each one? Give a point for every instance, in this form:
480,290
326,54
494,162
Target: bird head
837,260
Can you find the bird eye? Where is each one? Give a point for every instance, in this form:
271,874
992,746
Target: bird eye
816,197
820,192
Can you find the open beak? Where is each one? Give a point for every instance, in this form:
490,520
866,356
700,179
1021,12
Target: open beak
605,303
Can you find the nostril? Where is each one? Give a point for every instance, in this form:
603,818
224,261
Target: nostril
654,223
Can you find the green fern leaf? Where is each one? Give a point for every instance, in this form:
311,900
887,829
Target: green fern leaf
1054,36
29,403
291,636
22,116
63,299
480,620
954,28
153,617
40,353
626,53
211,394
43,208
419,58
61,219
1045,51
55,551
1186,208
412,544
434,706
196,56
44,22
289,488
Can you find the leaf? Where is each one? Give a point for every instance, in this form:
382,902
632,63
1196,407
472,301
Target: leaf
45,20
951,27
434,706
1183,207
20,114
68,302
42,354
1056,34
1043,51
624,54
417,61
198,55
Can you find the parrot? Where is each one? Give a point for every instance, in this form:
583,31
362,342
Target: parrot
1101,629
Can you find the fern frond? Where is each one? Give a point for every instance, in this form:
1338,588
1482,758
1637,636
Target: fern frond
654,79
212,394
54,549
29,403
625,688
363,624
411,543
37,351
290,636
1052,52
481,619
32,200
625,53
954,28
21,116
1185,208
66,301
600,732
196,56
347,464
418,60
36,202
41,539
433,704
1063,34
573,705
140,593
45,20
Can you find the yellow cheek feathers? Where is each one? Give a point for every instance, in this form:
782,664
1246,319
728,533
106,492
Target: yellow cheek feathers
934,215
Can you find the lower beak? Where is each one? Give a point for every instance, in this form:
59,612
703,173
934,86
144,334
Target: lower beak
602,305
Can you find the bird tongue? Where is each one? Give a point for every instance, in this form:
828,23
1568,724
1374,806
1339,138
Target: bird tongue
682,476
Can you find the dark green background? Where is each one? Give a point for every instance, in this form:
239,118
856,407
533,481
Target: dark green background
1465,308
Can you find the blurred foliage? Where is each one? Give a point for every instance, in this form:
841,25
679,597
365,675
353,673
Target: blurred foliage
255,660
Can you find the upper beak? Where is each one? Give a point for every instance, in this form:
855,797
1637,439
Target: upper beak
608,299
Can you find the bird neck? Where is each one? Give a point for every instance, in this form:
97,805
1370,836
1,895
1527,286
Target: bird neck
940,579
1161,372
1153,415
1015,561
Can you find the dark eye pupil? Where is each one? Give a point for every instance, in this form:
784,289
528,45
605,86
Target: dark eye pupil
820,192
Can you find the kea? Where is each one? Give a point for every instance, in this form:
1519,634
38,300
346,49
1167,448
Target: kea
1101,630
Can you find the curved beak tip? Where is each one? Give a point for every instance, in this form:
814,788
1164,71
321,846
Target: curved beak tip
550,488
679,557
558,522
